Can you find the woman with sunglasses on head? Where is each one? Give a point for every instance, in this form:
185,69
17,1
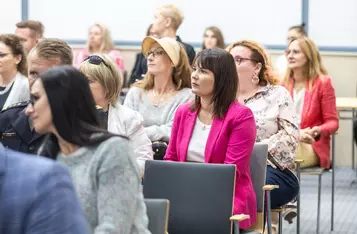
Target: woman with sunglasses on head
14,86
215,128
105,82
275,118
166,85
103,170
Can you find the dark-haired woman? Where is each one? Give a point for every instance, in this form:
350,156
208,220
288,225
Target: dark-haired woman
14,86
104,172
215,128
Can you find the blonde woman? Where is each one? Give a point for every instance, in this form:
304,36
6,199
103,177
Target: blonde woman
100,41
314,101
105,83
166,85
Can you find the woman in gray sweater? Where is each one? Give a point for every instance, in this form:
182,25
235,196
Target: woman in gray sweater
104,173
166,85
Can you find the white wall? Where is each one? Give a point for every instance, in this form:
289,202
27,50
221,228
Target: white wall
10,14
128,21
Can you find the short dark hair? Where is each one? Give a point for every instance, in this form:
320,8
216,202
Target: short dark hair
36,26
73,107
15,44
52,48
221,64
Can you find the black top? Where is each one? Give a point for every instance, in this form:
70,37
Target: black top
4,96
140,67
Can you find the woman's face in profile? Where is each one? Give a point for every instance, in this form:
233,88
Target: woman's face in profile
209,40
158,61
39,109
296,58
202,81
8,62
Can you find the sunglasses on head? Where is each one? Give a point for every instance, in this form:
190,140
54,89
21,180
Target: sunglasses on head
96,60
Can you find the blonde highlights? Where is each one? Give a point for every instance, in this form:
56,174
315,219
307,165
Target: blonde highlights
109,77
107,42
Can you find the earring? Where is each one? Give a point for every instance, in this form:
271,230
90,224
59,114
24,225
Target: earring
255,79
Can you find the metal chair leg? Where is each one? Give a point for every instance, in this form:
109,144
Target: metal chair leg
280,223
318,205
298,202
268,212
333,183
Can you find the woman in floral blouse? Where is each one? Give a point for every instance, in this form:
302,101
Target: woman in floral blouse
274,114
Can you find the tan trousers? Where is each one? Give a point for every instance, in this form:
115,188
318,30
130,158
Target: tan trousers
307,153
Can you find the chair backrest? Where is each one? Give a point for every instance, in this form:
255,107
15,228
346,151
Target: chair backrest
200,195
258,167
158,213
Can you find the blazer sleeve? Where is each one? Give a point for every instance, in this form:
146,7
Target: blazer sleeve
56,208
171,152
140,141
241,141
329,110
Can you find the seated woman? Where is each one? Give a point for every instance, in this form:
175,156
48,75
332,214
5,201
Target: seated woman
100,41
103,170
314,101
14,86
105,81
215,128
213,38
274,116
166,85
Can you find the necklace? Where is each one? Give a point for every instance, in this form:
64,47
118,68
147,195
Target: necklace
159,98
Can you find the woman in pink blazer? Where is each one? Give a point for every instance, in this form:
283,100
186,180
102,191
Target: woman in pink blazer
215,128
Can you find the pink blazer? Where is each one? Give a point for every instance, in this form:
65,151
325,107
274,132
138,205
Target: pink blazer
230,141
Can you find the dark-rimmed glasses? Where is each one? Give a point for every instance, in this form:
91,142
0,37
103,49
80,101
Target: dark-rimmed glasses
239,60
154,53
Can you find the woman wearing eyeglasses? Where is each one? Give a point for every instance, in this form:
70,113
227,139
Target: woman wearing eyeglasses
166,85
274,114
105,82
14,86
103,169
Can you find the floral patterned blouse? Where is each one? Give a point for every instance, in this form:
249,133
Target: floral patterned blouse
276,123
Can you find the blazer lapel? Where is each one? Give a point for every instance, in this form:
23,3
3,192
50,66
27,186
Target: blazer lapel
212,137
187,134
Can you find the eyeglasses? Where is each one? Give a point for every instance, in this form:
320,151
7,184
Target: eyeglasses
96,60
154,53
239,60
4,55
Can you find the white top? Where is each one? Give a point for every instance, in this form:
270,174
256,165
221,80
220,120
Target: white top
129,123
20,91
281,65
299,104
197,146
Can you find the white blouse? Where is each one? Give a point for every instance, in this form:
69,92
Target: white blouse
299,104
197,146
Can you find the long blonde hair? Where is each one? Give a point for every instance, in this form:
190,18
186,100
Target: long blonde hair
313,67
181,74
259,55
107,43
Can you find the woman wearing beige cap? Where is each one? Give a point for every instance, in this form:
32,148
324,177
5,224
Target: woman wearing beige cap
166,85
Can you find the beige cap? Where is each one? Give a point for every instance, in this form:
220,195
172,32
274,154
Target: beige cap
170,45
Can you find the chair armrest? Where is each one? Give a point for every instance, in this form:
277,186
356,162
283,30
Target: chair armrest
299,161
270,187
239,217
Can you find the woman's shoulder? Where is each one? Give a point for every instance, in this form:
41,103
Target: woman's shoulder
185,94
237,110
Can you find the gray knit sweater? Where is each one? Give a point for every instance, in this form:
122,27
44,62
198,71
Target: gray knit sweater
107,181
157,119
